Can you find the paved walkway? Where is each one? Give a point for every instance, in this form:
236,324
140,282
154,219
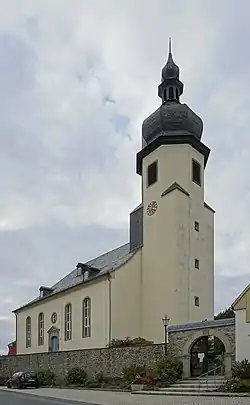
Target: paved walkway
124,398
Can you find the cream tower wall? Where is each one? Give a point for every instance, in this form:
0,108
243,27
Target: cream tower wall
170,280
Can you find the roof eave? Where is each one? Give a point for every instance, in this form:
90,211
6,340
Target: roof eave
171,140
240,296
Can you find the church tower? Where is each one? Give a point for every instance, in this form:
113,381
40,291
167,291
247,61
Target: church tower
177,273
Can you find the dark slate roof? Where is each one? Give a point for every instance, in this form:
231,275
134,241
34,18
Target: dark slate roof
136,208
105,263
201,325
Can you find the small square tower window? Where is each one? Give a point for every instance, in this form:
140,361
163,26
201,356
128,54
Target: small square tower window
197,301
196,172
196,263
152,174
196,226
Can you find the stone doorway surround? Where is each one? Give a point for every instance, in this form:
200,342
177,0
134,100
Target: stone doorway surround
197,334
53,332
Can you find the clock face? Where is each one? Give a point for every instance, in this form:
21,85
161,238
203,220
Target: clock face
152,207
54,317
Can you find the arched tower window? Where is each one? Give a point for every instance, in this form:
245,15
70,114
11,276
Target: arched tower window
165,95
86,317
171,93
68,322
177,94
28,331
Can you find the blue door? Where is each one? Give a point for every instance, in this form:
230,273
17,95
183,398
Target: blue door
54,344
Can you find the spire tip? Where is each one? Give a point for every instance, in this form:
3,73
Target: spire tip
169,45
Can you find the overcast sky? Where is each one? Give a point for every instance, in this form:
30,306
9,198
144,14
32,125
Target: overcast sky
77,78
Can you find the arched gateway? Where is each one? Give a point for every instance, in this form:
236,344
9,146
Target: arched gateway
183,339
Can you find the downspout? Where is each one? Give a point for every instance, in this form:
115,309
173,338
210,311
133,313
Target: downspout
16,332
189,256
109,277
141,320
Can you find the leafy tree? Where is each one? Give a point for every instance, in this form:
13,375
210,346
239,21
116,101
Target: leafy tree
228,313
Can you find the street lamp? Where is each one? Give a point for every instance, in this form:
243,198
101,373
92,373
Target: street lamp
165,321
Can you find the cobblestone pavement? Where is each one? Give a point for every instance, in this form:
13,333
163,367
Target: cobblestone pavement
122,398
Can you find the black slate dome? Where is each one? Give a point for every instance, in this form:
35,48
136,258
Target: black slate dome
171,118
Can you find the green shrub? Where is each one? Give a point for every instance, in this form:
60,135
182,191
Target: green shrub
241,369
133,371
168,371
236,385
138,341
100,379
77,376
92,384
117,382
3,380
163,373
147,380
46,378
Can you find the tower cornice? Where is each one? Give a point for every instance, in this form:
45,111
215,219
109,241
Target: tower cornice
171,140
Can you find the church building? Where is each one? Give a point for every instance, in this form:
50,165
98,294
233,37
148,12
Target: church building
167,267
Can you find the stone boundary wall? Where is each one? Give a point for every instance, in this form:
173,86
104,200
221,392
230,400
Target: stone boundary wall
109,361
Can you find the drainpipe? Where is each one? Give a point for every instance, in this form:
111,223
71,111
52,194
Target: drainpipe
189,260
16,332
109,277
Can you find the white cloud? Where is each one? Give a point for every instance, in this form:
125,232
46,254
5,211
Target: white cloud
68,156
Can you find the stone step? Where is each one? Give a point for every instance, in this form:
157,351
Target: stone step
193,384
192,387
202,382
193,394
187,389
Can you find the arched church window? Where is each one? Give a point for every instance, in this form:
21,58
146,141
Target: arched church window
28,331
86,317
68,322
41,329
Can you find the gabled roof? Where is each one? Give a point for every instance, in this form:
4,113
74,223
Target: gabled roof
245,291
105,263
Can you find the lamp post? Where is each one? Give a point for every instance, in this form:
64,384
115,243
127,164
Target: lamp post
165,321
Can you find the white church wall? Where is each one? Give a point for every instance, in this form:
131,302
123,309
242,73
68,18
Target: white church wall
97,291
242,335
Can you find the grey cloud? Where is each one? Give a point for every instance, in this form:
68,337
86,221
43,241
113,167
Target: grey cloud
41,256
38,254
17,67
7,328
227,290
